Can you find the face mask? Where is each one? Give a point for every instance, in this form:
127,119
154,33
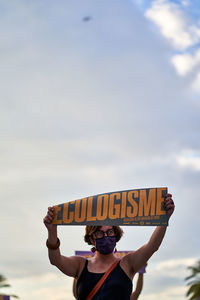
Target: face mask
106,245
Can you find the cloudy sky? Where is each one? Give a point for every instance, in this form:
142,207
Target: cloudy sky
97,96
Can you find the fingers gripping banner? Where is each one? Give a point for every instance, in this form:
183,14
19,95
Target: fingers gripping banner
130,207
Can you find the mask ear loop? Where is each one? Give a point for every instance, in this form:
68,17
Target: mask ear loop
93,249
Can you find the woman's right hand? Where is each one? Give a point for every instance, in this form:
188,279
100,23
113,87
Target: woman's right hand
48,219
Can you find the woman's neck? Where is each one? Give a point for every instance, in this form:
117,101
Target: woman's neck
105,258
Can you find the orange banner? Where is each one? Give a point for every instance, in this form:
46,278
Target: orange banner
142,207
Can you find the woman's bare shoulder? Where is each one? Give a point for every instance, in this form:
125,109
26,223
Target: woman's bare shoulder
81,260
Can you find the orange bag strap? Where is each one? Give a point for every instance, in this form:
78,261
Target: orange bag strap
101,281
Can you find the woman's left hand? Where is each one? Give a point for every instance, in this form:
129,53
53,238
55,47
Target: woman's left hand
169,204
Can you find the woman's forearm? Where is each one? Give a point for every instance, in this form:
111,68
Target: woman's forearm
139,284
157,237
159,233
52,235
54,254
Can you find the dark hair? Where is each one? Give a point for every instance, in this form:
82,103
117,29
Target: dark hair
89,230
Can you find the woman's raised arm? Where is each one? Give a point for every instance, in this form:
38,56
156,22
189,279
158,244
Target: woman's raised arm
139,257
70,266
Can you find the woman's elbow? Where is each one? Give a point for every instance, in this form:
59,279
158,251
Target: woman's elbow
53,261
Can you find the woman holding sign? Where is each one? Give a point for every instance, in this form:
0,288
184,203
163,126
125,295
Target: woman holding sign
104,276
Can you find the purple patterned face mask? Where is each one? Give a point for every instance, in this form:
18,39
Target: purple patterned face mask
106,245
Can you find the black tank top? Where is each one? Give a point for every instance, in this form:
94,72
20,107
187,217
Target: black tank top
117,286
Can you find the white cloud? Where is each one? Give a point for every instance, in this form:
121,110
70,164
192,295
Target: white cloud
177,292
170,275
185,63
173,24
178,27
46,286
196,83
175,267
185,2
189,159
